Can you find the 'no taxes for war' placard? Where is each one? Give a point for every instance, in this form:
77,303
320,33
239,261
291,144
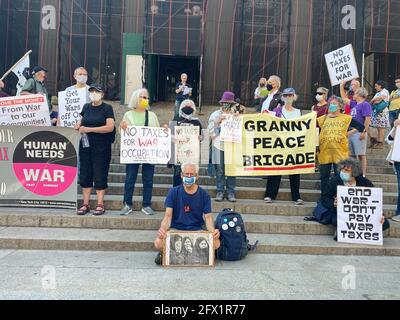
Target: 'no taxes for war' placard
342,65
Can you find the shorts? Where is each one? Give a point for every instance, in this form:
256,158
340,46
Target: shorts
358,147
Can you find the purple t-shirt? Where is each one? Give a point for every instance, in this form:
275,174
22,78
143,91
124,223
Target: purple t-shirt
360,111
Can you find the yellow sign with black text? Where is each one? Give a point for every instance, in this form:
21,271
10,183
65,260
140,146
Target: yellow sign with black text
273,146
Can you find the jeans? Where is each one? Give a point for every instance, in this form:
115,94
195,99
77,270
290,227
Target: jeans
393,116
325,174
274,182
176,110
177,176
130,180
222,180
397,167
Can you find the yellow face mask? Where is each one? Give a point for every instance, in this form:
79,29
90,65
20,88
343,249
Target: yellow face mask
144,104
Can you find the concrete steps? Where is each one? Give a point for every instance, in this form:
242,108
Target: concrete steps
139,240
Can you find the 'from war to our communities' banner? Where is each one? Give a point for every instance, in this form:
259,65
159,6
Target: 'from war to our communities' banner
70,104
29,110
359,215
342,65
187,145
273,146
145,145
38,167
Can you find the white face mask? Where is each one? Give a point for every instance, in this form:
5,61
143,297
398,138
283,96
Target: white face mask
95,96
398,85
319,98
81,79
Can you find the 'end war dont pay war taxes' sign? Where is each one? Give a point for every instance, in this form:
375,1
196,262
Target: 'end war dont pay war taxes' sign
38,167
359,215
342,65
273,146
145,145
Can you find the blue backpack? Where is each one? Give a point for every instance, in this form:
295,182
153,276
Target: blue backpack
234,243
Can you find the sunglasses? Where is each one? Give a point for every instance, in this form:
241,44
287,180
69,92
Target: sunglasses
145,98
320,93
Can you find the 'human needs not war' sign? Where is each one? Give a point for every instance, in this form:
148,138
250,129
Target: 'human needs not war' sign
342,65
273,146
359,215
145,145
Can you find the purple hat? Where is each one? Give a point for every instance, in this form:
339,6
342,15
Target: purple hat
228,97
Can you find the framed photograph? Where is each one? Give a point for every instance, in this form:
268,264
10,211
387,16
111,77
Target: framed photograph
189,249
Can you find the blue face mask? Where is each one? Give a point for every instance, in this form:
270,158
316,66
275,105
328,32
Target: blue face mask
189,181
346,177
333,108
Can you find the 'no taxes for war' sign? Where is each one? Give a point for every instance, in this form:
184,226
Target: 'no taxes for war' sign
342,65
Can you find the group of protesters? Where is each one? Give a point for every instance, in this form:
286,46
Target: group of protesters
187,204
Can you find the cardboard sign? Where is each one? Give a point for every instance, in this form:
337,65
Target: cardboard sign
31,110
231,129
39,167
342,65
187,145
145,145
359,215
70,104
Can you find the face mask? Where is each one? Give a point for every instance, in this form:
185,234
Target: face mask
226,106
189,181
319,98
269,87
288,101
333,108
346,177
95,96
144,104
187,110
262,85
82,79
398,85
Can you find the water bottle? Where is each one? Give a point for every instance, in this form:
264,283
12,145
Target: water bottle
85,140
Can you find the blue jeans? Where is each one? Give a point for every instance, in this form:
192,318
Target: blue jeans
222,180
130,180
393,116
176,110
397,167
325,174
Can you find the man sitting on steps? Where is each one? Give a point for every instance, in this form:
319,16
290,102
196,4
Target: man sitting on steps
188,207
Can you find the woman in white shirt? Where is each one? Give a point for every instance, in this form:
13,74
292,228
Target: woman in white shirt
380,118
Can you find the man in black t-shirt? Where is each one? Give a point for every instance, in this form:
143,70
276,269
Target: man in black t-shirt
183,92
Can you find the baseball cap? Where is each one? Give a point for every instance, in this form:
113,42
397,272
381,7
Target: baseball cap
38,69
289,91
96,86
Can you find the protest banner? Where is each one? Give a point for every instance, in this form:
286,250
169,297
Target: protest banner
145,145
31,110
70,104
273,146
187,145
231,129
359,215
395,156
342,65
38,167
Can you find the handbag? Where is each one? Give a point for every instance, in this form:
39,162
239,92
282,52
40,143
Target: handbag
379,107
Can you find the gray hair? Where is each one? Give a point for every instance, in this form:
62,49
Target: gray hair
135,98
79,68
353,164
187,103
277,80
195,166
324,90
338,99
362,92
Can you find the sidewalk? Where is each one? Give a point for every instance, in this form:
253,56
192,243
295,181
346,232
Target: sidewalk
129,275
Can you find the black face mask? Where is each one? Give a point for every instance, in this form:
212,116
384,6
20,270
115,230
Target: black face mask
187,110
269,87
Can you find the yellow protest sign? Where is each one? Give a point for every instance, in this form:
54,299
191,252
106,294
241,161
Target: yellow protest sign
273,146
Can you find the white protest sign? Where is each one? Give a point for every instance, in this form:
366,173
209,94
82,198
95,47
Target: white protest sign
396,146
70,104
342,65
359,215
30,110
231,129
187,144
145,145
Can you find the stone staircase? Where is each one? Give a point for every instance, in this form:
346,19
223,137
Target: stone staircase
279,227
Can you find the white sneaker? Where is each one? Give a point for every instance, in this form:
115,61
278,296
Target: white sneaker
148,211
396,218
267,200
126,210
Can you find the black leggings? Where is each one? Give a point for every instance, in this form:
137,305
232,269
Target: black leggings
94,165
274,183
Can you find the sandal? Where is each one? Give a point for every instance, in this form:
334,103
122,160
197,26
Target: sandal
83,210
99,210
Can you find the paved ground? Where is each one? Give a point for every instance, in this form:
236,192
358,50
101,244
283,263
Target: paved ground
125,275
